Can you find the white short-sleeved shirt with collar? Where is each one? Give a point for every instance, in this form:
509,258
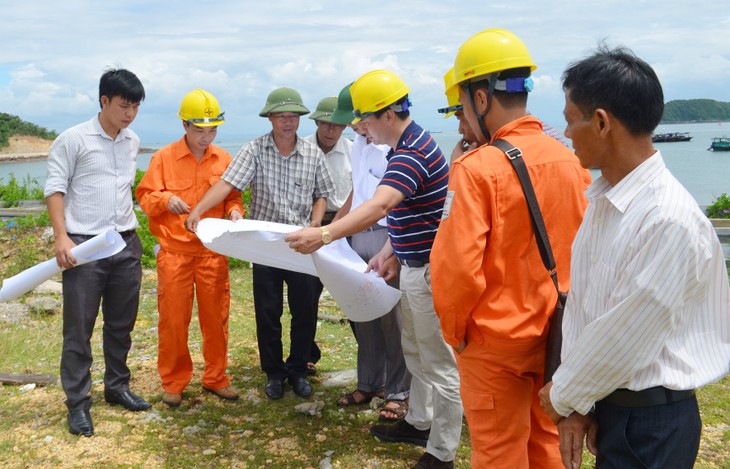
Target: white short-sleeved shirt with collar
368,167
338,164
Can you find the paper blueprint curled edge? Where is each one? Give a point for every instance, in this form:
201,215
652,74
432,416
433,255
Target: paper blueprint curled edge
361,296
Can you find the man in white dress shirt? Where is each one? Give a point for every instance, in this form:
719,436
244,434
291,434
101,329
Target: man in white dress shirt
646,322
381,365
88,191
336,149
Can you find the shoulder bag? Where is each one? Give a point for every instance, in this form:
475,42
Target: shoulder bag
555,333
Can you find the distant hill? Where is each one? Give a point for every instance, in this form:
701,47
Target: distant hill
696,110
13,125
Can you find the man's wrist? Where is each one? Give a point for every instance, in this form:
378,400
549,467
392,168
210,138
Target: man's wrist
561,410
326,237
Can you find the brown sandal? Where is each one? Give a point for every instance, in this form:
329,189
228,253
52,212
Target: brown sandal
400,410
358,397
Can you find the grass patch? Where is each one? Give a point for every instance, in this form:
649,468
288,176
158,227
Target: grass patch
206,431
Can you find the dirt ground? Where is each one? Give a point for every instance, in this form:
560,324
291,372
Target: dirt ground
23,146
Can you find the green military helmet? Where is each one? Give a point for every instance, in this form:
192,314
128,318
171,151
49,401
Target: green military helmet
343,112
324,110
284,100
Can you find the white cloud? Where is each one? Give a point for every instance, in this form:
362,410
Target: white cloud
54,53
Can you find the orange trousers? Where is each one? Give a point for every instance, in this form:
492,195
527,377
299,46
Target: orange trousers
507,426
180,276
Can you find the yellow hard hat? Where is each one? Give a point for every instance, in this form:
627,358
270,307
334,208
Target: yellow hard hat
201,108
376,90
452,95
492,50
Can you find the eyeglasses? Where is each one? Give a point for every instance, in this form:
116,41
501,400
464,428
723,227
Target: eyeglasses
285,117
401,107
446,110
361,115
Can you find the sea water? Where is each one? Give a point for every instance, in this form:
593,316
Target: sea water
705,174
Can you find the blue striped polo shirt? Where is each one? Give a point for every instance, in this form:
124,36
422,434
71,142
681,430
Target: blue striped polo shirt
418,169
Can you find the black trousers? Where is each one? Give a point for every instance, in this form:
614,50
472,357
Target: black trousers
663,436
114,284
268,295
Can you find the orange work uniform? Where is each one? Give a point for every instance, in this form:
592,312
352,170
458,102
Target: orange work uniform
185,266
490,288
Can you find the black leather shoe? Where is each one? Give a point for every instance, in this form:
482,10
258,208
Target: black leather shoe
128,400
429,461
301,386
79,422
401,432
274,388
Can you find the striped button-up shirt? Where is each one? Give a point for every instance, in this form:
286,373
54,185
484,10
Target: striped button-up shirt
283,188
648,304
95,173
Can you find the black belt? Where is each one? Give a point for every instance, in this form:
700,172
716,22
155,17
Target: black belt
413,262
123,234
650,397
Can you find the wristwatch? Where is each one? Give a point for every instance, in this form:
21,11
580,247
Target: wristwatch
326,236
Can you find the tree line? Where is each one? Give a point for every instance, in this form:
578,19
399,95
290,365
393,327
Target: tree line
13,125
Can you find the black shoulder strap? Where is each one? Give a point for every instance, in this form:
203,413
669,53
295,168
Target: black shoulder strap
514,155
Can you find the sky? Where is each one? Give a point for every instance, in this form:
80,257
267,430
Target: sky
54,52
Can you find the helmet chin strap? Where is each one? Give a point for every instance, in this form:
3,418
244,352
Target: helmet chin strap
480,117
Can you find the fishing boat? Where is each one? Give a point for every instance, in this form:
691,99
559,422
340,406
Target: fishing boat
720,144
671,137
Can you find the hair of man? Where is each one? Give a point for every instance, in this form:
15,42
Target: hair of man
121,83
617,81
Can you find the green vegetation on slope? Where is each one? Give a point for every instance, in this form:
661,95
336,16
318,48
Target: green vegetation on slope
696,110
13,125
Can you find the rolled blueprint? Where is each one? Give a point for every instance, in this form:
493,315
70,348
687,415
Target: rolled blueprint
99,247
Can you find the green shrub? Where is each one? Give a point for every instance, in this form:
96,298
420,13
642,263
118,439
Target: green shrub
148,241
33,221
720,208
12,192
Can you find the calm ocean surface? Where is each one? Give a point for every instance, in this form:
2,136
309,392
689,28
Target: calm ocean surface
705,174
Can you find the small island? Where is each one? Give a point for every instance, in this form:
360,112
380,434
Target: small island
695,110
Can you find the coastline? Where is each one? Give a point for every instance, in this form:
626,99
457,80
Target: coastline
11,157
35,156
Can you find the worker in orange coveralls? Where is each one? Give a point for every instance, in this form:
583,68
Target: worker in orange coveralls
178,176
491,291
